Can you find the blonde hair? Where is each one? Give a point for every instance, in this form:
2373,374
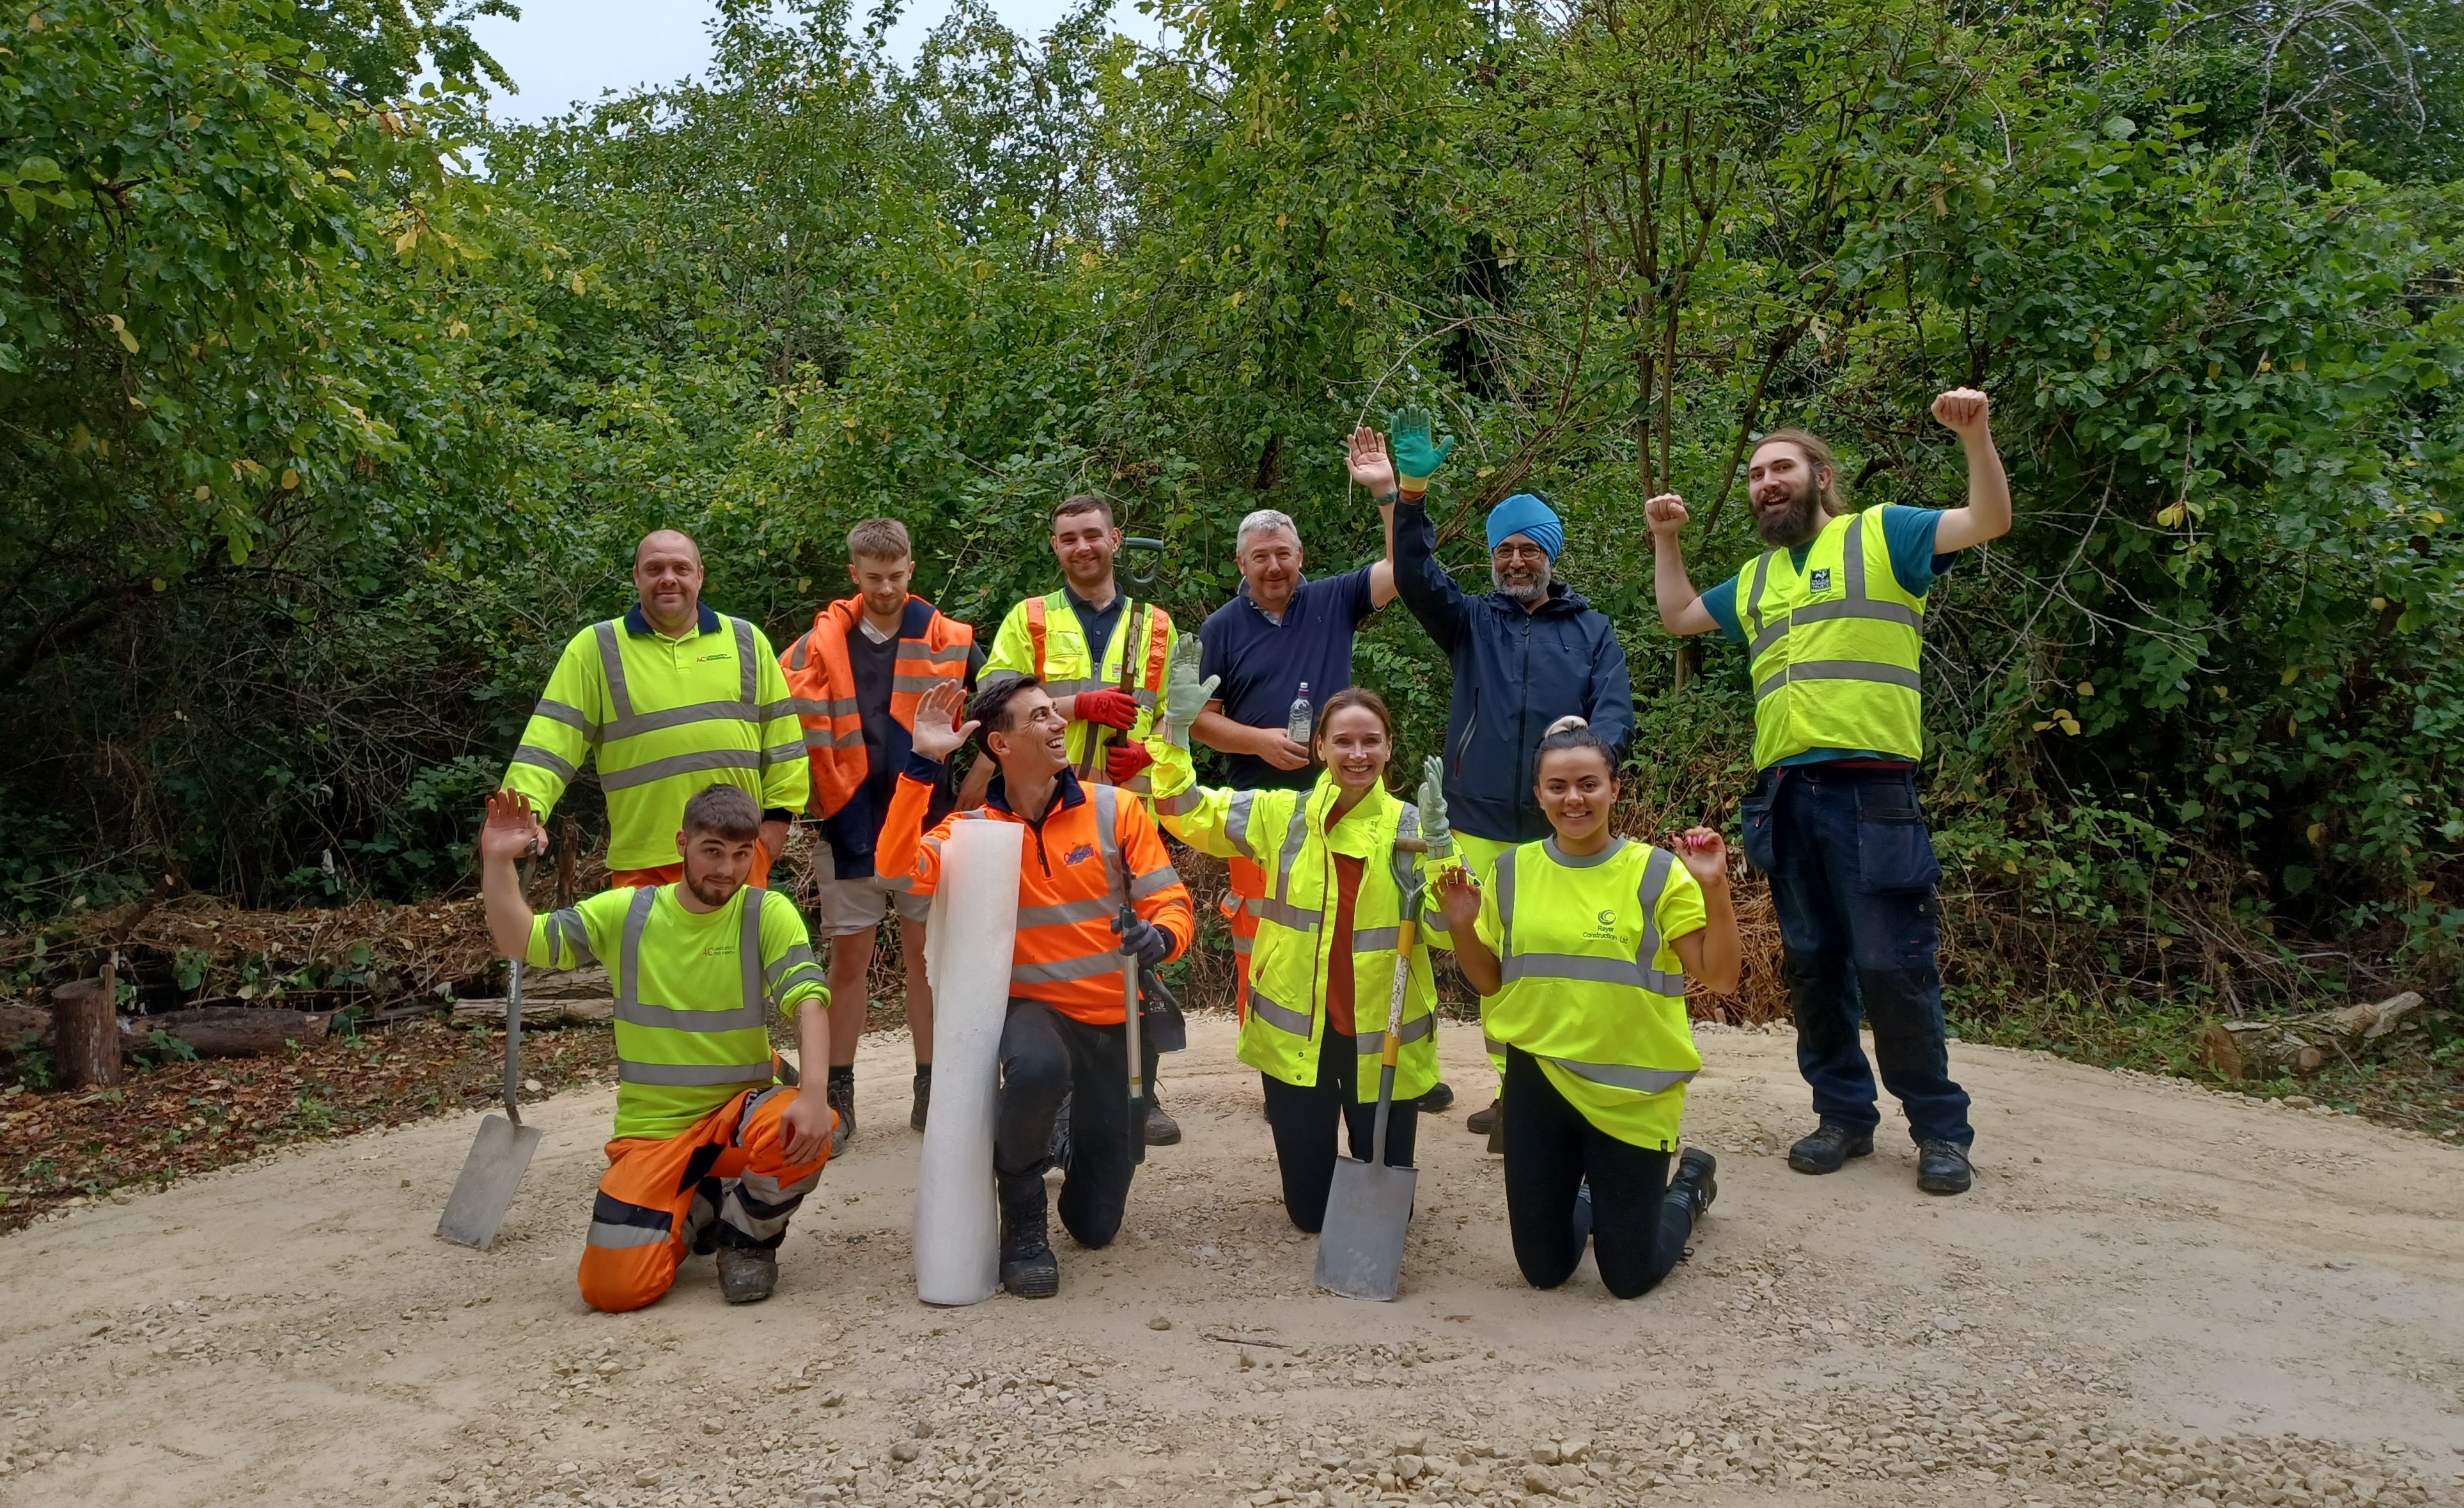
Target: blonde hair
880,539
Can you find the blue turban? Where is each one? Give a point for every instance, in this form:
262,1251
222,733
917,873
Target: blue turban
1525,514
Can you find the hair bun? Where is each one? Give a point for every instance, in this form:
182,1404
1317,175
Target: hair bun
1565,724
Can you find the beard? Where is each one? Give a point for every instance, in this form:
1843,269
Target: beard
1802,520
1526,593
711,888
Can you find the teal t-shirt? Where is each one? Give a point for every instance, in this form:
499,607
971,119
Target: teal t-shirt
1914,565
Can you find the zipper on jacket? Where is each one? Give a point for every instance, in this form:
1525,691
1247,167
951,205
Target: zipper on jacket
1471,726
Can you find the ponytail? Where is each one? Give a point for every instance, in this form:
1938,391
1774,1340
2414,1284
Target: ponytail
1574,733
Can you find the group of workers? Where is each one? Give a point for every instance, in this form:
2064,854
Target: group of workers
1580,941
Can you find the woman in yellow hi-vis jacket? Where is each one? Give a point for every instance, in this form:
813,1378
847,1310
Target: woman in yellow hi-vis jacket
1322,970
1582,944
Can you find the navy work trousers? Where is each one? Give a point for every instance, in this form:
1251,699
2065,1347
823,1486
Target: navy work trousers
1852,873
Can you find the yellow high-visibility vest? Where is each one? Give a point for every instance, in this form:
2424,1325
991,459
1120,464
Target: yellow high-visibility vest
1834,646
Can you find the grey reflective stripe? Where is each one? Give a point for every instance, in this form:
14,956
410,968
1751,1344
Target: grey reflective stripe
1176,806
676,1018
548,759
799,953
1374,1043
1107,813
1492,1046
751,679
796,655
1066,688
1829,670
955,654
1276,909
686,716
658,770
1372,940
1504,878
1549,845
1144,698
1625,1075
1242,944
1771,633
824,739
1646,955
816,708
628,961
1399,859
693,1076
611,666
748,952
1091,908
608,1236
1060,971
775,709
1585,967
568,941
570,716
783,753
1298,1022
1235,822
1000,677
1153,880
1762,577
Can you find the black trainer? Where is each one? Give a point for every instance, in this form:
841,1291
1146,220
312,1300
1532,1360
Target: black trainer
1829,1146
1028,1269
1695,1179
1942,1168
1582,1215
1440,1100
747,1274
916,1116
840,1095
1162,1130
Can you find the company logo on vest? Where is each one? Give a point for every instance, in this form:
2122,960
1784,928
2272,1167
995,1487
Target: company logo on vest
1819,578
1606,928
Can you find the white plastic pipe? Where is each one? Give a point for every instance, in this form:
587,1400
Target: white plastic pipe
967,955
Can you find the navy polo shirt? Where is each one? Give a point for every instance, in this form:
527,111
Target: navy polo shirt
1262,663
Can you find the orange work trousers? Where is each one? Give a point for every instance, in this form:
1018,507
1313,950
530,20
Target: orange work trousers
1248,882
669,873
660,1193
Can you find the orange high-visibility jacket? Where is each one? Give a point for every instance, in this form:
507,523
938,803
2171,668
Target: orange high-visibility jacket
932,649
1094,846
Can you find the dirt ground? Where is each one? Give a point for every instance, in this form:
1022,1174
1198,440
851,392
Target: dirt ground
2154,1295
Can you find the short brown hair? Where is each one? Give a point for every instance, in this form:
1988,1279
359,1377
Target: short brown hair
1083,502
1353,696
879,539
727,811
1833,494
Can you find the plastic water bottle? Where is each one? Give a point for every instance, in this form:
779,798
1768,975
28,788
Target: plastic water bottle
1296,727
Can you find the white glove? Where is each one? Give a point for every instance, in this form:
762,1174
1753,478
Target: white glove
1434,830
1185,695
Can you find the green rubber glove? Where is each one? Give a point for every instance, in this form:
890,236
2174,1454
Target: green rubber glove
1417,456
1185,695
1434,828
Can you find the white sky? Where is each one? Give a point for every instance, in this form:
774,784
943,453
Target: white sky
563,50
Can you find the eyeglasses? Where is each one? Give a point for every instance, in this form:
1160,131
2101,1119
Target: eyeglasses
1518,553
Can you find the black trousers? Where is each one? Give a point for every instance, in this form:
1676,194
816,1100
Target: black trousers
1640,1227
1045,1056
1305,1120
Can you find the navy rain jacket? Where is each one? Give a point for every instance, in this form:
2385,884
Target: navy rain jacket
1515,672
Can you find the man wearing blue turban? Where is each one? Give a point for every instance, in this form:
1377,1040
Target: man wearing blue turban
1526,652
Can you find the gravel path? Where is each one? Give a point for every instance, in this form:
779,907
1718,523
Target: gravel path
2156,1295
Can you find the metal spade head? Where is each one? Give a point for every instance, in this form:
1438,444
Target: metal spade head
1368,1209
499,1155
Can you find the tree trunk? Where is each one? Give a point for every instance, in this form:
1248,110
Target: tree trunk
231,1030
85,1036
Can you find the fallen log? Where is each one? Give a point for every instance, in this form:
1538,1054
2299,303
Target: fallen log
2300,1044
551,1013
227,1031
84,1041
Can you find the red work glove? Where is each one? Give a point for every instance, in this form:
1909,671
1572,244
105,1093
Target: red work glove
1113,709
1123,762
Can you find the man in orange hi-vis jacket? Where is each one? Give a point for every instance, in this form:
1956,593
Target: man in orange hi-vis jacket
1088,850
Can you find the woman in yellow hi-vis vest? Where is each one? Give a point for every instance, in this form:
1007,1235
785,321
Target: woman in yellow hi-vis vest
1582,944
1321,968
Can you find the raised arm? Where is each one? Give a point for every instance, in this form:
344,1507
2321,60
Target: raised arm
1367,460
1681,607
906,857
507,835
1712,954
1969,414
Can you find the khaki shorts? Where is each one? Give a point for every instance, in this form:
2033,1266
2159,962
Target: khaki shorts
850,906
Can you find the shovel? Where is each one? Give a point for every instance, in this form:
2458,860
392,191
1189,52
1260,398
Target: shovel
1137,1051
502,1152
1360,1250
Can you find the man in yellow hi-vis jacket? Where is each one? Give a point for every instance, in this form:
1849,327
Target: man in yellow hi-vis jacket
671,697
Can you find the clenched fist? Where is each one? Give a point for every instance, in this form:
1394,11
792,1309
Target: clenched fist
1965,411
1666,513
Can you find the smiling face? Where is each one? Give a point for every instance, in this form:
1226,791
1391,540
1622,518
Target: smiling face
717,866
1576,790
1035,744
1787,493
667,573
1271,563
882,582
1354,743
1085,545
1519,567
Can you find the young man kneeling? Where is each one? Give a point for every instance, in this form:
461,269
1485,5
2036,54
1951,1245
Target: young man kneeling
710,1152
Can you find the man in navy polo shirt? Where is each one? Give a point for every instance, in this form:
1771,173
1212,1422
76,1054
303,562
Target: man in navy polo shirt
1280,632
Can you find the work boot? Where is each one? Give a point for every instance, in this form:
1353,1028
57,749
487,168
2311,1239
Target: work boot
1582,1216
1440,1100
916,1116
841,1099
1480,1122
1162,1130
1942,1168
1694,1180
747,1273
1829,1146
1028,1269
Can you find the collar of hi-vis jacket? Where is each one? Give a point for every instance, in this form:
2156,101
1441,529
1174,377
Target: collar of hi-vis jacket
638,623
912,619
1066,793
